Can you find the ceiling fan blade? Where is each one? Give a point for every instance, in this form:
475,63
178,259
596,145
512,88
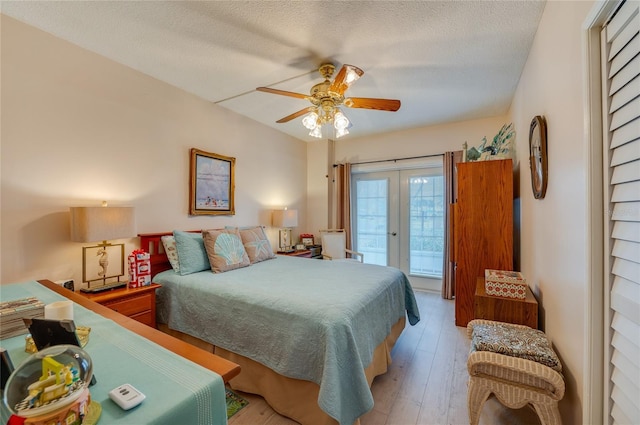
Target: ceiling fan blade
347,75
282,92
295,115
371,103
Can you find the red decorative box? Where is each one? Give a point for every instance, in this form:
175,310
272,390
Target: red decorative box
139,269
503,283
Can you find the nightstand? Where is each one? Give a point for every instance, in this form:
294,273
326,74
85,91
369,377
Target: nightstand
305,253
136,303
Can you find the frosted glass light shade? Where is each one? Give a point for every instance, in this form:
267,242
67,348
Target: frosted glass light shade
310,121
285,218
94,224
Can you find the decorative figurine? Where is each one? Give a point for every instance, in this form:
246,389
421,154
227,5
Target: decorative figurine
51,387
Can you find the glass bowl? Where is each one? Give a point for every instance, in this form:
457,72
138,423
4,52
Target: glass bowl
48,380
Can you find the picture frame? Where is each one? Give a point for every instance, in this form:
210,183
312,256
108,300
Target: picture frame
211,183
46,333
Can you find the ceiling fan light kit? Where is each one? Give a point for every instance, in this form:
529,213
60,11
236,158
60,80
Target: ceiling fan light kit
326,98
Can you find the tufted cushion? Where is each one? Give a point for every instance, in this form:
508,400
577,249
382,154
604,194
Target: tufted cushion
225,250
256,244
526,343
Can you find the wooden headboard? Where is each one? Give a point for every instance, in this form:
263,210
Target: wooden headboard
152,244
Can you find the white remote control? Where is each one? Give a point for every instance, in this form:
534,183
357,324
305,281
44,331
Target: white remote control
126,396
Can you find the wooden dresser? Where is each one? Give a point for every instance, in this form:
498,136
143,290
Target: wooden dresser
136,303
482,228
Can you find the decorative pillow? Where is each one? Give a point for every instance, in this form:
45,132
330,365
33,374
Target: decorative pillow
526,343
192,256
225,250
256,244
169,243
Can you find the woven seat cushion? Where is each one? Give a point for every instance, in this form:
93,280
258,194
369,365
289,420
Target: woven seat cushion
526,343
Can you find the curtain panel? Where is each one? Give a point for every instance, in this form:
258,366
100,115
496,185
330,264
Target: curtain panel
343,204
450,190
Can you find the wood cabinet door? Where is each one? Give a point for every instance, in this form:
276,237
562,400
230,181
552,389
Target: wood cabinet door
483,228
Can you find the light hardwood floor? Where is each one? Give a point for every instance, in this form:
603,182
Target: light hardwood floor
425,384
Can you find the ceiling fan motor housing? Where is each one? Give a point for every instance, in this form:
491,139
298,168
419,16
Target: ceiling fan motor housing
321,89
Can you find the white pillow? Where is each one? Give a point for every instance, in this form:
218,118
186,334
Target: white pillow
169,243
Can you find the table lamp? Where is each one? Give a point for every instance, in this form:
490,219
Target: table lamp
285,219
94,224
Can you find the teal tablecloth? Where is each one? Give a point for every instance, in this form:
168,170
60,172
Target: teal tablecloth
178,391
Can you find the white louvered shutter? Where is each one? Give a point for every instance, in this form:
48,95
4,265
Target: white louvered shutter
621,94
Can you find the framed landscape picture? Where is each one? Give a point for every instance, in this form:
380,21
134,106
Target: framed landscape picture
211,183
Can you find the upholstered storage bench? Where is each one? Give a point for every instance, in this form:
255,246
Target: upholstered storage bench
518,365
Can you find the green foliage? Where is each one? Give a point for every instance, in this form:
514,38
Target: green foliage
500,145
501,142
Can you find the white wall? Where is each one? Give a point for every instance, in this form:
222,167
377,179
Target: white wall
435,139
555,230
317,187
78,129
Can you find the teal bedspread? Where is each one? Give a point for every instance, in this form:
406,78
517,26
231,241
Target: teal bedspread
178,391
314,320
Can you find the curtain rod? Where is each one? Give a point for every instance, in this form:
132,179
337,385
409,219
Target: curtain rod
393,160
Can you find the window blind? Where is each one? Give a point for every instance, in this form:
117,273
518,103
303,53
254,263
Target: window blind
621,85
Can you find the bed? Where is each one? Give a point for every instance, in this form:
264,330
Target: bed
309,335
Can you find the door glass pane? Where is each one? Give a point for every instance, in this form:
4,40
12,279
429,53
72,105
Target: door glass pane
426,225
371,230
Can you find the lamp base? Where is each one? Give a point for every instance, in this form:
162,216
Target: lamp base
105,287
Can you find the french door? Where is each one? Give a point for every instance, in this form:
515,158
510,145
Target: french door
398,221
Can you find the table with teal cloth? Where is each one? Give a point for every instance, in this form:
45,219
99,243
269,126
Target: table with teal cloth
177,390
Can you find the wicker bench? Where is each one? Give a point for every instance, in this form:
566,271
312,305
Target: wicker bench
515,381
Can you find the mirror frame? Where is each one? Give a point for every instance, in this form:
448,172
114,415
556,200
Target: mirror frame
538,161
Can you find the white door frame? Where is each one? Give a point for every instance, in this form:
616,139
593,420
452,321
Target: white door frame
595,404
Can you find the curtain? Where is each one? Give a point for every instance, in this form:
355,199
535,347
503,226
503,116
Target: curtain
450,188
343,197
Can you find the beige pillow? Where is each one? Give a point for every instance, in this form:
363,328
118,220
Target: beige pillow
169,243
225,250
256,244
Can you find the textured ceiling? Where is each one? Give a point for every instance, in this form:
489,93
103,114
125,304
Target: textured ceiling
446,61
